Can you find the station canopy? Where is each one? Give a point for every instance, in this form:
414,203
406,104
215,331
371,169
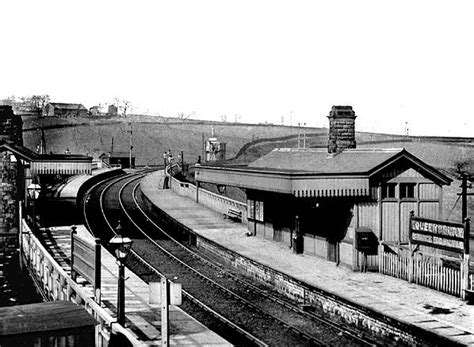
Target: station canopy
311,172
50,164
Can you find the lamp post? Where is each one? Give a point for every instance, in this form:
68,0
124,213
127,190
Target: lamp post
33,190
121,246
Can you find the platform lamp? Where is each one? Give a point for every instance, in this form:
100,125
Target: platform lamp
121,246
33,190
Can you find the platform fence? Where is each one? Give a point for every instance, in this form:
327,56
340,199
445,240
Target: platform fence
428,271
55,283
209,199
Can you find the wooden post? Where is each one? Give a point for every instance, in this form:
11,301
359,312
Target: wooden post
165,298
410,246
97,271
197,191
464,196
73,232
20,235
465,261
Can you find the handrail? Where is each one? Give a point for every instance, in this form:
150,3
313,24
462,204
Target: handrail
106,321
225,198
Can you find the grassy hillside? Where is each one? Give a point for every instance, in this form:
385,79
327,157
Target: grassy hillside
154,135
151,135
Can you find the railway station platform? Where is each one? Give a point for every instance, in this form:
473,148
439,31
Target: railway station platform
143,319
428,310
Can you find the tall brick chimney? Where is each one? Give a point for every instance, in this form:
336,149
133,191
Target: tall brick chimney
341,129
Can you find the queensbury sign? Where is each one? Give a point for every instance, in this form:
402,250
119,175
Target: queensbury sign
437,234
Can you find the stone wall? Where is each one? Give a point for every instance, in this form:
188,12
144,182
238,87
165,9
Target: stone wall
8,194
11,133
10,126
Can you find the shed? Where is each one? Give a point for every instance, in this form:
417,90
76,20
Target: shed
121,159
314,200
60,109
55,322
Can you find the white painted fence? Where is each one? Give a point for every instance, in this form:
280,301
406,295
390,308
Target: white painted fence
58,285
425,271
211,200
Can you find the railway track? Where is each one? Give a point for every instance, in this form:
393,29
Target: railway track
242,312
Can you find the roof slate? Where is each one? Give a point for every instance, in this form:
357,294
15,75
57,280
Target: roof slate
67,106
115,155
320,161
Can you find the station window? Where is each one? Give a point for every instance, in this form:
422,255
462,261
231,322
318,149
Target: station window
255,210
407,190
388,190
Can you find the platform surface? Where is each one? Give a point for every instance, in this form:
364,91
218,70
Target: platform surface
142,319
416,305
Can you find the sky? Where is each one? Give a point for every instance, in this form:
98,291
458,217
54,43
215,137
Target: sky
398,63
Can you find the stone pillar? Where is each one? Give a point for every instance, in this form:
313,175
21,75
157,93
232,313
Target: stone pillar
10,175
341,129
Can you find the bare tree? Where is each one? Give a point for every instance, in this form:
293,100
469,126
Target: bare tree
123,106
183,116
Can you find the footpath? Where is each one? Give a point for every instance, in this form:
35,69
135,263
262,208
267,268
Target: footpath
427,309
142,318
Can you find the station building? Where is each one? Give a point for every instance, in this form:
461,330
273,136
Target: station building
316,200
121,159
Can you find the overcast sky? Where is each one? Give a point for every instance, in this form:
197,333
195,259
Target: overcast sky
265,61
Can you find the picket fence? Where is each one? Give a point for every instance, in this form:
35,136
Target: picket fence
424,271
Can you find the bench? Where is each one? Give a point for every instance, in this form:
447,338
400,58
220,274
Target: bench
233,213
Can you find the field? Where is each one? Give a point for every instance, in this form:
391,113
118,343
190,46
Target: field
151,136
245,142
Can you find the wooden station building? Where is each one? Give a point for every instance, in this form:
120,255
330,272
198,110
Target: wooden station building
316,200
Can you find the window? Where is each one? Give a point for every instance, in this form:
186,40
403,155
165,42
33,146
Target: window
407,190
388,190
255,210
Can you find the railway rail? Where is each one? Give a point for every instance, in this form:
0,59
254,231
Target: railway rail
241,311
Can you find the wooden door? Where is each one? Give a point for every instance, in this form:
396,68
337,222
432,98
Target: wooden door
333,251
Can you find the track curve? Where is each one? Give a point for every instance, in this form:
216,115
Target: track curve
258,315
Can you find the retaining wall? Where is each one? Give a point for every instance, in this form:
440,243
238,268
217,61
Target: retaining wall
313,298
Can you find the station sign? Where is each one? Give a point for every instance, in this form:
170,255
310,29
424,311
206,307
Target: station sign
175,296
437,234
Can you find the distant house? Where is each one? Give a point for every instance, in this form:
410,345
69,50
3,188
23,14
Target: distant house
64,110
112,111
117,158
95,111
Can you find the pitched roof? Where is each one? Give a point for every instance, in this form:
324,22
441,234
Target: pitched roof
44,316
349,162
315,172
115,155
315,160
67,106
29,155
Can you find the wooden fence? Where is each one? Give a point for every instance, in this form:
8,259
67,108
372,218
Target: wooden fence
56,284
426,271
211,200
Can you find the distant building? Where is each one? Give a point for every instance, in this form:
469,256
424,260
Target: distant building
64,110
215,150
95,111
117,158
112,111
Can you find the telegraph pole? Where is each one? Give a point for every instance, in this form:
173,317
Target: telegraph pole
131,145
464,194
